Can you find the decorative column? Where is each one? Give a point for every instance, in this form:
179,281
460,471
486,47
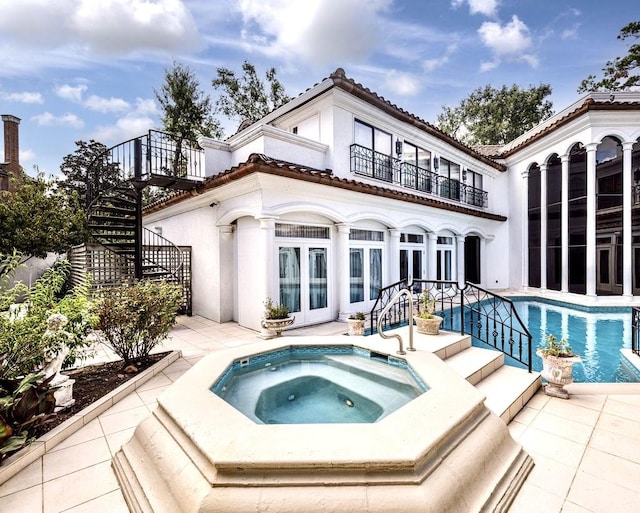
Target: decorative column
432,256
267,239
591,219
627,227
524,230
225,272
543,226
460,260
393,267
342,271
564,224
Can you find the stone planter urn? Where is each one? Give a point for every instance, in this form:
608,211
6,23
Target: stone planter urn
428,326
558,372
53,361
273,327
356,327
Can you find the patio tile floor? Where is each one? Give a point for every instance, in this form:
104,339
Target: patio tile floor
587,449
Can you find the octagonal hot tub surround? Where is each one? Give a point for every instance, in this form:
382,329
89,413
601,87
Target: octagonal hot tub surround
441,452
318,384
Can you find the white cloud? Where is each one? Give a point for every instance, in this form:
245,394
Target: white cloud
24,97
101,104
511,41
67,119
432,64
27,156
404,84
321,32
135,123
486,7
71,93
107,27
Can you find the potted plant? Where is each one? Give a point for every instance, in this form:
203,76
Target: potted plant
356,324
557,365
275,318
427,322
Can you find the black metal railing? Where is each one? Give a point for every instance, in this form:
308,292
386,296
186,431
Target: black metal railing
372,164
635,330
470,310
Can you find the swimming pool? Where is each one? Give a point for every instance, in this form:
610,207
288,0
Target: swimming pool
595,333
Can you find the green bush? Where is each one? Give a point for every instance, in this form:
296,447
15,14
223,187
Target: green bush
135,318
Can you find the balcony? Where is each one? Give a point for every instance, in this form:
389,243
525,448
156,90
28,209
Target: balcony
369,163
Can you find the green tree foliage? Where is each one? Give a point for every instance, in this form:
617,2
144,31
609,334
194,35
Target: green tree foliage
622,73
39,218
88,171
186,109
248,98
496,116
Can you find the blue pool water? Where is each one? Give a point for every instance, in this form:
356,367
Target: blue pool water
595,333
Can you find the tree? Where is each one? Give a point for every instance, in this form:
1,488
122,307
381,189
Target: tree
623,72
496,116
248,98
39,218
88,171
186,109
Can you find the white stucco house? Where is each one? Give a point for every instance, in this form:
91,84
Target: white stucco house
340,192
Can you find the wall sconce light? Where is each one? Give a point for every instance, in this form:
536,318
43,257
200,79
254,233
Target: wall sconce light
612,97
464,174
436,163
398,147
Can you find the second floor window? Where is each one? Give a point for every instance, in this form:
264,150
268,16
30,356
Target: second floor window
372,138
373,155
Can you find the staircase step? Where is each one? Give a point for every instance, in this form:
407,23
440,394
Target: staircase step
508,389
443,346
476,363
112,228
131,221
114,210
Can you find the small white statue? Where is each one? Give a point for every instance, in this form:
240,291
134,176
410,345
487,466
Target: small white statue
54,358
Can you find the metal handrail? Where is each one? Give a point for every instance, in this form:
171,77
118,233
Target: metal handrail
403,292
635,329
486,316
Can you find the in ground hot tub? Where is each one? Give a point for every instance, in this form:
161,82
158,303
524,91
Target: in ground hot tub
441,451
319,384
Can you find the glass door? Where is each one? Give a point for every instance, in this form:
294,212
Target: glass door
303,281
411,265
365,275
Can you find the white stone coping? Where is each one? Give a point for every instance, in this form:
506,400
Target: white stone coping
229,447
18,461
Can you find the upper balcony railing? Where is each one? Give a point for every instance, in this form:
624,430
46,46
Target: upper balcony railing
366,162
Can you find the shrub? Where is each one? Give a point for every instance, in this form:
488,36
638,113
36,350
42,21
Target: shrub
135,318
274,310
25,405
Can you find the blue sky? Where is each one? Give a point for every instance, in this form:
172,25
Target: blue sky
86,69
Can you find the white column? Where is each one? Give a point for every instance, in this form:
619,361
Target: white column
564,224
483,263
460,260
432,256
342,272
225,273
543,226
591,219
269,287
393,267
627,235
525,231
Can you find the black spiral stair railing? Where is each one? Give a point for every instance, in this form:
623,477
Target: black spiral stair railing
471,310
115,214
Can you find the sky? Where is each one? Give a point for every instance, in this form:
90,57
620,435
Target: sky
85,69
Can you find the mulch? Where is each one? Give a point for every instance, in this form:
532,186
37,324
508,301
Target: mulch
95,381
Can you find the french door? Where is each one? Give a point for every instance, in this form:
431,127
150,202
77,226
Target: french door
303,281
365,275
411,264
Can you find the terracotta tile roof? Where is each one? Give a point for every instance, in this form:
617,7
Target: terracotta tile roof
259,163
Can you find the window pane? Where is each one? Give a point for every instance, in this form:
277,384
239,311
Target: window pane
317,278
356,274
409,153
382,142
424,159
289,262
375,272
363,135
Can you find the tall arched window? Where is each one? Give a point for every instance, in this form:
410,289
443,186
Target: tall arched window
554,223
578,220
533,210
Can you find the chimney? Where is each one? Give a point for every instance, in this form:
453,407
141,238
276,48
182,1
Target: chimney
11,165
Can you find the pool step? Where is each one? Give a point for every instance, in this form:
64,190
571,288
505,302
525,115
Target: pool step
475,363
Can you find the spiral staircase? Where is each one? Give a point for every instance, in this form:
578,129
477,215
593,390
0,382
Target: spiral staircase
122,250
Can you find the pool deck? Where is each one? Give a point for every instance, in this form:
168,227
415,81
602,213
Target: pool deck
586,449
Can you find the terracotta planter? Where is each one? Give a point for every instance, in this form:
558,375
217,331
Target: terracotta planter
356,327
558,372
273,327
428,326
